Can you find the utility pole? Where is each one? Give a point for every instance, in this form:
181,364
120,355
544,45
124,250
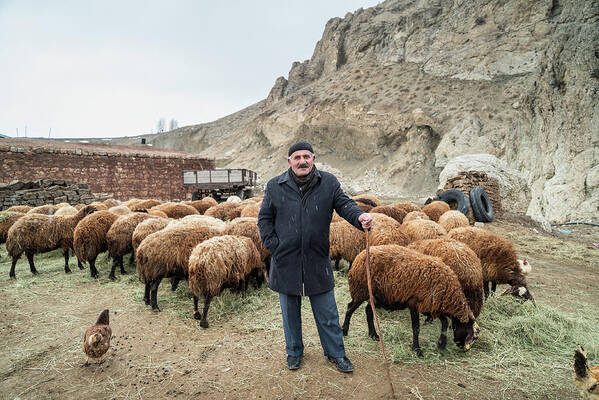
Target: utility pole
17,132
25,130
49,133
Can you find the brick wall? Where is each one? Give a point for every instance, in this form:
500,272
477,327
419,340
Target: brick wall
123,173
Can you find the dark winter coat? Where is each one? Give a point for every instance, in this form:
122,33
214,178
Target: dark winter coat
296,232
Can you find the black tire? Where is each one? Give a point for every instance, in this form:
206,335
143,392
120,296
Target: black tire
456,199
481,205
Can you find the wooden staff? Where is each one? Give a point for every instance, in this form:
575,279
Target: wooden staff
376,319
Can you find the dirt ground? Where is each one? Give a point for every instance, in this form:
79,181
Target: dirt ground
241,355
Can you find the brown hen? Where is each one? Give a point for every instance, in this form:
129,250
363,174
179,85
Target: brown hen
97,338
586,379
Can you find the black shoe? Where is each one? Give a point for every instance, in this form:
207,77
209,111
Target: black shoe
343,364
294,362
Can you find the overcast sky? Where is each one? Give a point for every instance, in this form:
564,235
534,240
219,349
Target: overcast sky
114,68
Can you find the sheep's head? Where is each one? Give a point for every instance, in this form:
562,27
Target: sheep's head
88,210
520,292
464,334
524,266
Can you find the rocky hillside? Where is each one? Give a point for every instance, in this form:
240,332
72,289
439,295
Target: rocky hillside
394,92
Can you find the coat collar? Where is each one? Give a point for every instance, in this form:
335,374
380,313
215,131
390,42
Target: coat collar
285,178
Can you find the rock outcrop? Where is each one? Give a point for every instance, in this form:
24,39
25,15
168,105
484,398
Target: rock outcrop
392,93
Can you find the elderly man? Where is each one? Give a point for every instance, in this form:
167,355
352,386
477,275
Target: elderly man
294,225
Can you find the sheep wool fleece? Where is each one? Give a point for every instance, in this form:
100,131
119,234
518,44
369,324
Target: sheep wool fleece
295,230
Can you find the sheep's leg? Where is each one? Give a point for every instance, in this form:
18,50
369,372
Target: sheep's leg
174,282
154,293
352,306
196,312
204,321
115,262
442,343
79,264
65,253
486,288
415,331
31,264
123,272
12,266
349,268
244,287
337,264
147,293
92,268
370,319
428,319
131,259
493,286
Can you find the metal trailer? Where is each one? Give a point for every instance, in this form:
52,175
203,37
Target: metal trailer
220,183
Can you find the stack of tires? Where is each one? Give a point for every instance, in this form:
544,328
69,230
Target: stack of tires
479,201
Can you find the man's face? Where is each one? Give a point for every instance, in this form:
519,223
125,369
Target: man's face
301,162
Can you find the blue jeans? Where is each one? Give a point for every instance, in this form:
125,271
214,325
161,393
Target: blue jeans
326,316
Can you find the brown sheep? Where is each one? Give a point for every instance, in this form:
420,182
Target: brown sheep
225,211
435,209
423,229
248,227
166,254
407,207
146,204
413,215
120,210
251,210
463,261
345,241
175,210
395,213
453,219
364,207
498,258
157,213
111,203
66,210
403,278
21,209
367,199
38,233
118,239
146,228
210,201
90,237
7,219
131,203
99,205
200,205
219,263
48,209
336,217
386,230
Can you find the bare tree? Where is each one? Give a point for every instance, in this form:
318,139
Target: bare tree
161,125
173,124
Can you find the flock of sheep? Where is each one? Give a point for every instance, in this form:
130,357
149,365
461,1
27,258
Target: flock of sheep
428,260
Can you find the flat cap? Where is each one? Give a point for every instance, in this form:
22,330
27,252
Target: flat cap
300,146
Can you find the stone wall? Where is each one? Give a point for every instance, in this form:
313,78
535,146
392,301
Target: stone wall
46,191
123,173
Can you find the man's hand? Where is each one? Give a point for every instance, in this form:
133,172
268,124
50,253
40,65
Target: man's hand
365,219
